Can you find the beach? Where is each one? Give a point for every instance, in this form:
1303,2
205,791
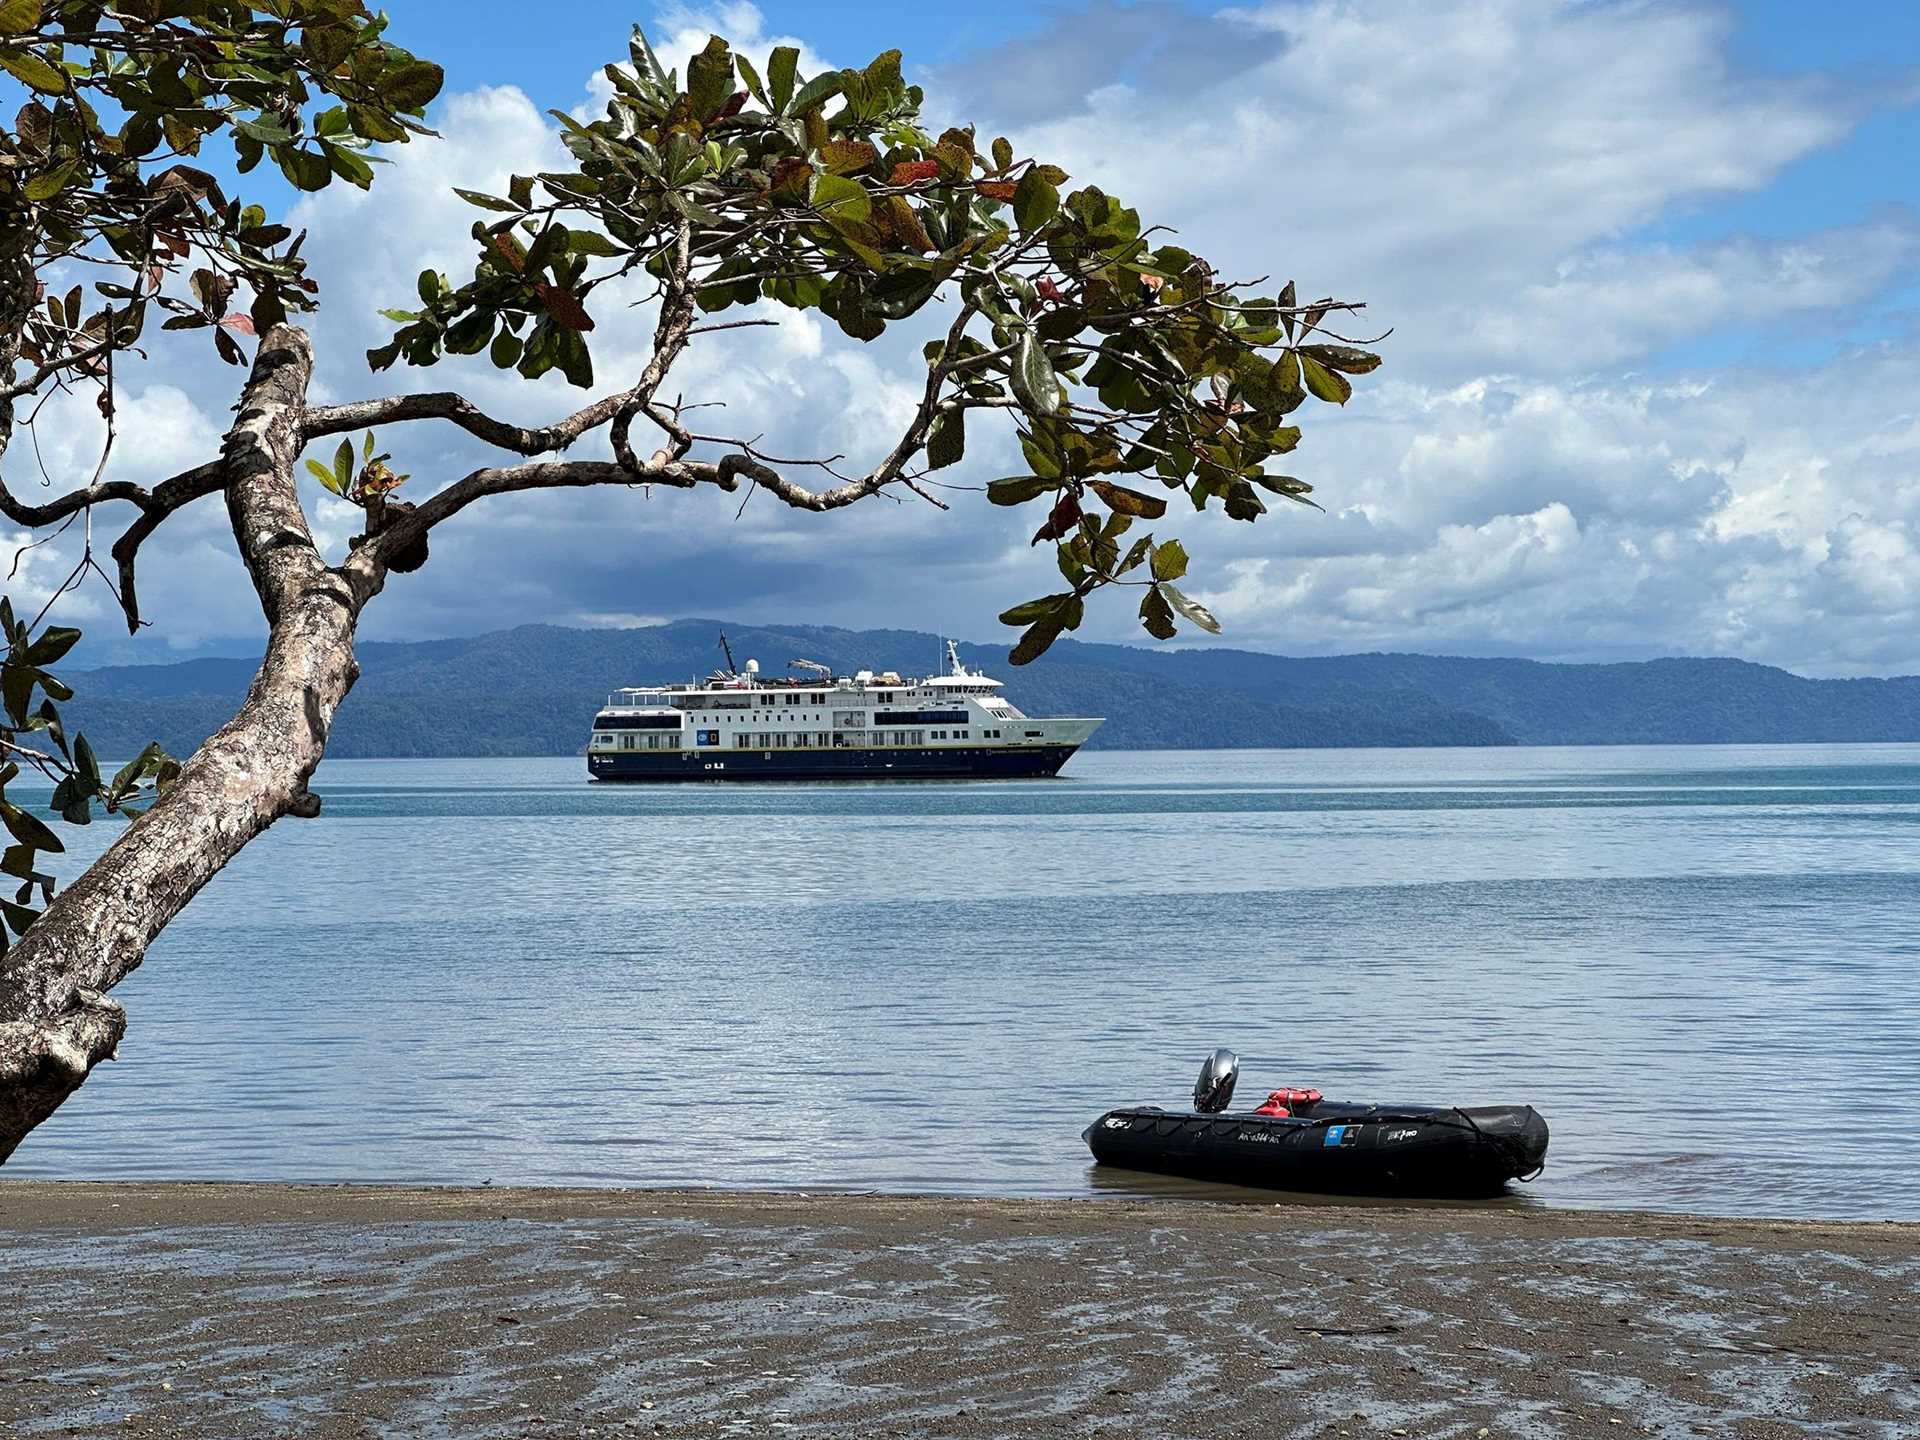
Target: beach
174,1309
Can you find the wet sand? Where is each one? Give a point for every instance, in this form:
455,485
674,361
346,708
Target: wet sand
270,1310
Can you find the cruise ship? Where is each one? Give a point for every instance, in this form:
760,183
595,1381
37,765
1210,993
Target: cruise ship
814,725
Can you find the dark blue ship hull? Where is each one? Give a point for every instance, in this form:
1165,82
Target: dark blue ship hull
957,763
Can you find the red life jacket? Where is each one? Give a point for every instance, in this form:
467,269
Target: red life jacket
1285,1102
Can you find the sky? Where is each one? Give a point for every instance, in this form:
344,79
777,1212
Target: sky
1652,272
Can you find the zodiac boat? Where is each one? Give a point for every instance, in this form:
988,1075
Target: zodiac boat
1299,1141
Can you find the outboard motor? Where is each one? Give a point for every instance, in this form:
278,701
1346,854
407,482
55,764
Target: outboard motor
1213,1091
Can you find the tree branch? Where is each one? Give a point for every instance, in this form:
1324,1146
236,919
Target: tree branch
321,420
168,496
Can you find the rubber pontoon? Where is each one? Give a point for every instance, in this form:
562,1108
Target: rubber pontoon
1416,1150
1299,1141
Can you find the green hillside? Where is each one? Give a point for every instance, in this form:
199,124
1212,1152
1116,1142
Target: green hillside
532,690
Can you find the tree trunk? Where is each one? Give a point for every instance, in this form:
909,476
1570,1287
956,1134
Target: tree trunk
55,1021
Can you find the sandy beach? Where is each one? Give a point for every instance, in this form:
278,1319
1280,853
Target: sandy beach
270,1310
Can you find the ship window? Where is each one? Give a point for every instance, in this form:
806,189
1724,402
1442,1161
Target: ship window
1035,734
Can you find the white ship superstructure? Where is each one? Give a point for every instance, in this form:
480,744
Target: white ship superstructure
813,724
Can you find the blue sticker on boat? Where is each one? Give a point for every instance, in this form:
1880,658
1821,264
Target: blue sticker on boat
1334,1132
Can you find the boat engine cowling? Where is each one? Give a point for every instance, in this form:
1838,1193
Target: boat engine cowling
1213,1091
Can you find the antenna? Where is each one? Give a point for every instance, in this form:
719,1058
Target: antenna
727,650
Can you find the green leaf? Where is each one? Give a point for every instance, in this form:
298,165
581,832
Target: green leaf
1033,377
366,447
30,69
1002,153
18,682
947,441
1123,501
1191,609
18,917
781,71
817,91
592,242
1286,302
1035,202
710,78
1284,381
19,16
49,183
304,169
1169,560
750,77
410,86
1035,642
505,350
1046,607
85,762
349,166
1156,615
573,358
1327,384
1018,489
1343,357
470,334
326,45
645,64
29,830
323,475
486,201
54,642
839,199
343,465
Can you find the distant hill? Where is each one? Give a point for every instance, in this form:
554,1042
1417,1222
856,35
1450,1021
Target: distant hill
531,691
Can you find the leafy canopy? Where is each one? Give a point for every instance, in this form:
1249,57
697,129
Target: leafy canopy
1131,370
121,98
95,179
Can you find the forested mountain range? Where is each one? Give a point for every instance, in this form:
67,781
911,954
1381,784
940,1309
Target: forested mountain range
532,690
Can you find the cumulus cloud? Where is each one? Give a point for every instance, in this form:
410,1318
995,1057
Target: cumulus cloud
1535,471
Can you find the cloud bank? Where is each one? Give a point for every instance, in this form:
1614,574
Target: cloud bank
1588,442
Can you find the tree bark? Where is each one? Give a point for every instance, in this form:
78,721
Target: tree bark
55,1022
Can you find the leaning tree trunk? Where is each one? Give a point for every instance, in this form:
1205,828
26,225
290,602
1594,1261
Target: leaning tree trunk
55,1020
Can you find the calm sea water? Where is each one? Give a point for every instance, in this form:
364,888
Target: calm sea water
1700,963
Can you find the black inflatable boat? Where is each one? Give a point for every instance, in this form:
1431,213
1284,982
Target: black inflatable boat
1327,1145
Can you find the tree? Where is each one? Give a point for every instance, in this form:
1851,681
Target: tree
1130,370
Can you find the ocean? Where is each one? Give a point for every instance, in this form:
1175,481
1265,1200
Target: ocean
1698,962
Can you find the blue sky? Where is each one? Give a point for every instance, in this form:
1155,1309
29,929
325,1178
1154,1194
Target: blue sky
1653,271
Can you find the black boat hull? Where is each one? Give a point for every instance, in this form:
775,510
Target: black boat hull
1345,1149
1010,762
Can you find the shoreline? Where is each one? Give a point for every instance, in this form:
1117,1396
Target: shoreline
45,1203
219,1308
